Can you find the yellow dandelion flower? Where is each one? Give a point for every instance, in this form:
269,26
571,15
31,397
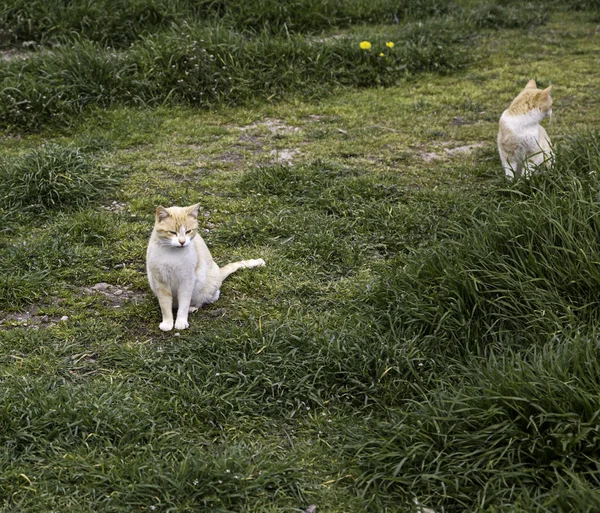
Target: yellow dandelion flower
365,45
380,54
390,44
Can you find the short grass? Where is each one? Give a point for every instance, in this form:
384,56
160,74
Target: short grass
422,330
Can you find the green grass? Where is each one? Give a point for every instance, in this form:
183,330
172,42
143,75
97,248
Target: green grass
195,65
523,270
423,329
121,23
51,177
516,428
200,64
503,375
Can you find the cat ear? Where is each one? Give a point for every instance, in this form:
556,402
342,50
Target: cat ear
545,93
161,214
193,210
531,84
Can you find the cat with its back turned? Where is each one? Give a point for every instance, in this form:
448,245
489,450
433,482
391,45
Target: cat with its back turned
181,271
523,143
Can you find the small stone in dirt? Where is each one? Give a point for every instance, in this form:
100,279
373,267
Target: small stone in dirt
64,318
177,334
311,509
101,286
118,292
428,157
284,156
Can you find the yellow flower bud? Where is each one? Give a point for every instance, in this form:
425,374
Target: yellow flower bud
365,45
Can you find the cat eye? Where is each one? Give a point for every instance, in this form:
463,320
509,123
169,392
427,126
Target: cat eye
188,231
173,233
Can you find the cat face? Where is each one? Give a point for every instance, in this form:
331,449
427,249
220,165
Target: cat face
532,99
176,226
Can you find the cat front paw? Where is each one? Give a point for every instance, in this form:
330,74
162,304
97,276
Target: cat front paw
181,324
166,325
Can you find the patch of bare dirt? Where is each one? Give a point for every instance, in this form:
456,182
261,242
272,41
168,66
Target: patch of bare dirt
428,156
247,148
33,318
183,163
464,150
252,141
285,156
254,144
249,142
230,157
30,319
277,127
113,295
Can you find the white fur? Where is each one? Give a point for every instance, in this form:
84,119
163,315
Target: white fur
182,273
533,143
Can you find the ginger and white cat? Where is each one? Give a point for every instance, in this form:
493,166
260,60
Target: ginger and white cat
181,271
522,142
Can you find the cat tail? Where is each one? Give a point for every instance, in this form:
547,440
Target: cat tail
228,269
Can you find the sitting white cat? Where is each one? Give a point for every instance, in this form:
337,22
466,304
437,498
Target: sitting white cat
181,271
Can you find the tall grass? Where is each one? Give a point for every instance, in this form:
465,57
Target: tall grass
113,23
519,428
121,23
524,270
37,186
51,177
209,53
205,66
312,15
493,15
500,359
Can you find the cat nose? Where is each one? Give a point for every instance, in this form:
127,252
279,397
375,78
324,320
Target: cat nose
182,242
